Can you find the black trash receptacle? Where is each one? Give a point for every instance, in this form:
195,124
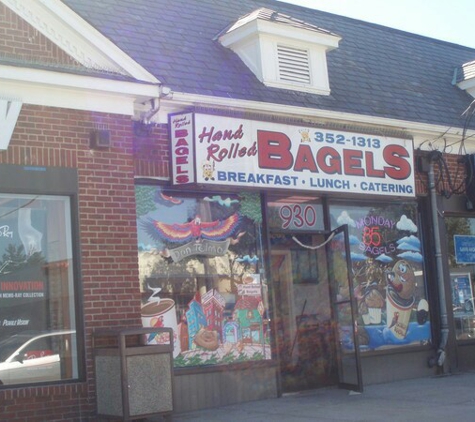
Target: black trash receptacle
134,380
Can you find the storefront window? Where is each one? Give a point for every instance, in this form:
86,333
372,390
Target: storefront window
37,311
201,273
386,260
461,248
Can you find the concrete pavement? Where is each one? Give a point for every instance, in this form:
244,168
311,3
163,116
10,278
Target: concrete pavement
440,398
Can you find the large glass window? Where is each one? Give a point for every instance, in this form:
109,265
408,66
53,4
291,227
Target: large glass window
201,273
386,257
37,311
461,257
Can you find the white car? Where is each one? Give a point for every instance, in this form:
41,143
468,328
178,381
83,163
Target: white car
31,357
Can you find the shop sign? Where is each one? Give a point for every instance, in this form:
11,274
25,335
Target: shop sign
181,128
249,290
203,247
238,152
464,249
295,217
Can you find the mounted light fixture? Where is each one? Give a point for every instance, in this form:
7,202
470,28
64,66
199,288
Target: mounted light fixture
99,138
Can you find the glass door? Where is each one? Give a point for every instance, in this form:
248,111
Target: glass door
342,297
305,333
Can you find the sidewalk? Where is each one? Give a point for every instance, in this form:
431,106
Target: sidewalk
444,398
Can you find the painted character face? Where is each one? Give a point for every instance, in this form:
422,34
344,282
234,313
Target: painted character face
208,170
404,280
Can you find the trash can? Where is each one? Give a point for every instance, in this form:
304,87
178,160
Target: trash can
134,380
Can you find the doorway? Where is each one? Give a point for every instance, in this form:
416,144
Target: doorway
305,332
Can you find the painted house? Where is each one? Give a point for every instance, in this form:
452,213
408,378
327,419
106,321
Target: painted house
246,314
213,308
196,319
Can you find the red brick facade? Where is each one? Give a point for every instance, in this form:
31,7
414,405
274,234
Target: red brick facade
108,240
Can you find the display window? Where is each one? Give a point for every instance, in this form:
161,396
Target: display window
387,270
202,274
37,295
461,257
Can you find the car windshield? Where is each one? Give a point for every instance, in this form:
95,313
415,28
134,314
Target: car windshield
9,345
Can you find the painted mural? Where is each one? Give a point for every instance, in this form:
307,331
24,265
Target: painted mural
201,273
387,266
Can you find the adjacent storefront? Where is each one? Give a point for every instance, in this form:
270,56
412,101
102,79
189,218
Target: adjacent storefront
38,282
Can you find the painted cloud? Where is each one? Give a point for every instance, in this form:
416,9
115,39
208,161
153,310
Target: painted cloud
344,218
406,224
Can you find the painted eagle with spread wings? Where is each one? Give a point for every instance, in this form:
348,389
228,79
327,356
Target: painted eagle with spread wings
192,230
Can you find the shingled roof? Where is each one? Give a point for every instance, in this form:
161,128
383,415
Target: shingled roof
376,71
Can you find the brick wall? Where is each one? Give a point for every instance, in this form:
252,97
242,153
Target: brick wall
449,177
151,151
20,40
108,240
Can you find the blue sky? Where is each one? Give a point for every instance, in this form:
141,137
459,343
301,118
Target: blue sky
448,20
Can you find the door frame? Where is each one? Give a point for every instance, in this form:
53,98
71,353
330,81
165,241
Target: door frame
340,301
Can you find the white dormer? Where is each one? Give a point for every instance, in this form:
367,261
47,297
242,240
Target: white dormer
281,51
464,77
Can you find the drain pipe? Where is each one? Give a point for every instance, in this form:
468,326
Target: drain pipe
444,325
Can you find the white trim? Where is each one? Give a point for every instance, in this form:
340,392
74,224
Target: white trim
56,89
468,85
413,128
76,37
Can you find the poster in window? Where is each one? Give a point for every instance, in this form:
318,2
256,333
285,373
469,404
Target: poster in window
23,287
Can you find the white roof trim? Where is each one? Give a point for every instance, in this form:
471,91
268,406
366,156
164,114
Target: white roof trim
468,85
68,30
422,131
77,92
258,26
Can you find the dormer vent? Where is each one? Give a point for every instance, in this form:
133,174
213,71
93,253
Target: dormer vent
281,51
294,64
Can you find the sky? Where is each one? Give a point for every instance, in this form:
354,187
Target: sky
447,20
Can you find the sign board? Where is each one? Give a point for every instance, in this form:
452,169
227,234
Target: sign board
464,247
182,148
295,216
230,151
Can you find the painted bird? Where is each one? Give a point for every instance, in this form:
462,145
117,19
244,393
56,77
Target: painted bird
192,230
394,320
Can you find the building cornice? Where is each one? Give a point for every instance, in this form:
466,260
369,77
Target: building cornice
77,92
77,38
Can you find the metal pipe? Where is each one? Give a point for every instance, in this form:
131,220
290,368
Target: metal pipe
444,325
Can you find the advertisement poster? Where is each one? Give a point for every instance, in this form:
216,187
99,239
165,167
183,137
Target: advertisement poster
23,287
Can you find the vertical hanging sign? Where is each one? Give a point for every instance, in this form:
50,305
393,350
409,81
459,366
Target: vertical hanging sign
182,148
9,112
